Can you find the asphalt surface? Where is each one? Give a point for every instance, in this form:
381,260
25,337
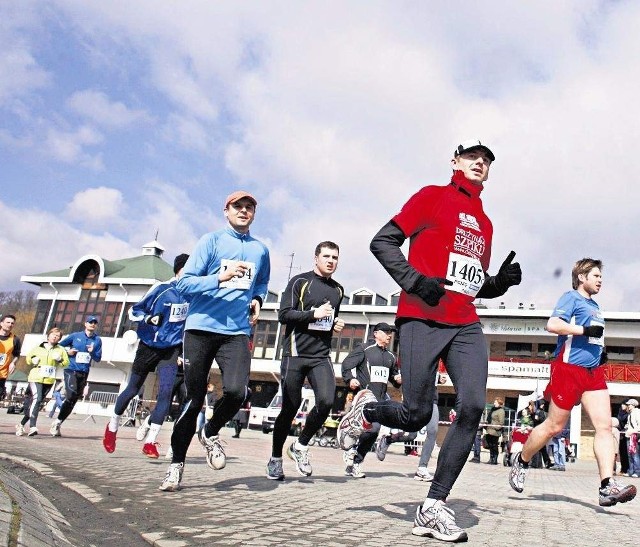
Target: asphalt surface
69,491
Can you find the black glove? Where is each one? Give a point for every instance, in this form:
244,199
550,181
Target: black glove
593,331
429,289
509,274
155,320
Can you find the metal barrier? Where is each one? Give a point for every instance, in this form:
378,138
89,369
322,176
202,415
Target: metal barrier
98,403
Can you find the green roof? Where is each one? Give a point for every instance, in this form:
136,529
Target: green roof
138,267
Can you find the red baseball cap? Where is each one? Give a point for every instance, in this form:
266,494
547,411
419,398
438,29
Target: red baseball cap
239,194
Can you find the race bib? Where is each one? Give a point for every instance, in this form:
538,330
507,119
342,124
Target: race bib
465,273
237,282
83,357
380,374
48,372
178,312
324,324
592,339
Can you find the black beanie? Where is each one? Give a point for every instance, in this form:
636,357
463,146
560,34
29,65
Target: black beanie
179,262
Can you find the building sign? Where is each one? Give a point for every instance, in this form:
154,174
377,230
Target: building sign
514,327
520,370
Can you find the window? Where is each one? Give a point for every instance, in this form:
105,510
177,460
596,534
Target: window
522,349
343,342
264,339
546,350
362,299
620,353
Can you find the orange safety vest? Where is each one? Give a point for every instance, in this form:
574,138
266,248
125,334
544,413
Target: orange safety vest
6,355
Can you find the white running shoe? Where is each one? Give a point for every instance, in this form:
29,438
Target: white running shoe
216,458
274,469
382,445
353,422
434,519
32,432
143,429
171,482
423,474
55,430
302,459
19,430
517,474
355,470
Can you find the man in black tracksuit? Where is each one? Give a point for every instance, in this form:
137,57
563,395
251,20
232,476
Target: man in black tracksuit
369,366
309,310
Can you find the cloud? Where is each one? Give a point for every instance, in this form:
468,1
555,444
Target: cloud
96,207
20,72
69,146
96,106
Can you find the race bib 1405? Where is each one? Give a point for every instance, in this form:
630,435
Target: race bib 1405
465,273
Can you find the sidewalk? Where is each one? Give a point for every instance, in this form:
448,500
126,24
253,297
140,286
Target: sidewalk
239,506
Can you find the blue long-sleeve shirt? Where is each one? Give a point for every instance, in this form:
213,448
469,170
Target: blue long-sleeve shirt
79,341
162,299
224,307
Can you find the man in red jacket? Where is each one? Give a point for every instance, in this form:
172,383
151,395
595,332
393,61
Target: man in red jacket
445,271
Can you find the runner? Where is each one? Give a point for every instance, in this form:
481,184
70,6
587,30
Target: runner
370,366
225,281
43,360
578,378
10,346
83,347
160,315
309,310
449,251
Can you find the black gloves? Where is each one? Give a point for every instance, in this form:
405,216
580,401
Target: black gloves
593,331
155,320
429,289
509,274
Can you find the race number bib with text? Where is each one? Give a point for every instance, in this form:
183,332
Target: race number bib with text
83,357
380,375
241,283
178,312
324,324
465,273
48,372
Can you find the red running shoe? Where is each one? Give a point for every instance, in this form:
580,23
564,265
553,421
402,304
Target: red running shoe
109,440
150,450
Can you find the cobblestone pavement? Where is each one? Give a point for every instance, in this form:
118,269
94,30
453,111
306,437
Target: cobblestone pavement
239,506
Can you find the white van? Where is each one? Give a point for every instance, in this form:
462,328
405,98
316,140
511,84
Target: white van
271,413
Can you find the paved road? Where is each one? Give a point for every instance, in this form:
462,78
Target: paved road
69,491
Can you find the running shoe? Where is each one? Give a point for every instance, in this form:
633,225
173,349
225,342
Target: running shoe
216,458
55,430
274,469
32,432
517,474
434,519
616,492
150,450
423,474
19,430
109,440
302,459
143,429
382,445
171,482
353,422
355,471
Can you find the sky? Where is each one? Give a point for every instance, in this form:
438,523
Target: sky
122,119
